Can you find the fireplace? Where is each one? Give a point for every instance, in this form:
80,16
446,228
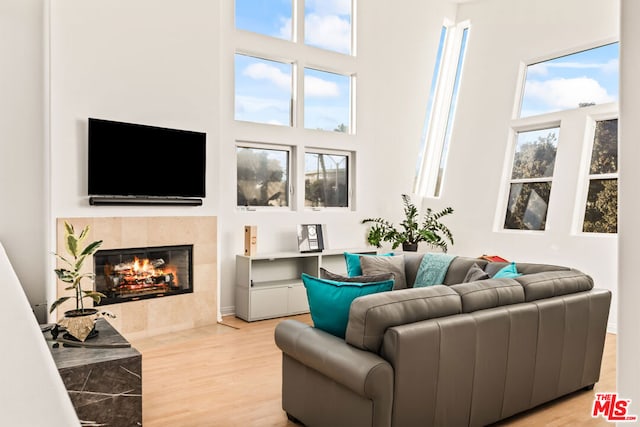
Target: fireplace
138,273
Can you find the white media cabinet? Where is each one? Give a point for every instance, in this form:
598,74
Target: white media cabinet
269,285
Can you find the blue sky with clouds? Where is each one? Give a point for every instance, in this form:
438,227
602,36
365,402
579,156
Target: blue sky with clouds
264,88
563,83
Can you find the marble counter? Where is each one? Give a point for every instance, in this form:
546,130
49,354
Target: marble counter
104,383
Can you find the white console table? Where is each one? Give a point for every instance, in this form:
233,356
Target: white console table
269,285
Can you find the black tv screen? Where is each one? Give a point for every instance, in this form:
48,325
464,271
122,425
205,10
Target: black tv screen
127,159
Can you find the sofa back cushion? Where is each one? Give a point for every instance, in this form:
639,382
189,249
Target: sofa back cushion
412,262
549,284
371,315
523,267
489,293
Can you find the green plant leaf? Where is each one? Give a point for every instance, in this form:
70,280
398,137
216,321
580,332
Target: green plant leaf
57,303
83,233
91,248
72,245
411,230
65,275
95,296
68,228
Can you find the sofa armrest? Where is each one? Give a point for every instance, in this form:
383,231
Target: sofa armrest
363,372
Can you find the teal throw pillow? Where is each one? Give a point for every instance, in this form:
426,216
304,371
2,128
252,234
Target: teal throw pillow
353,262
329,300
507,272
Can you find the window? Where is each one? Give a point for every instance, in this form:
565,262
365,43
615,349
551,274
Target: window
531,176
268,17
295,68
601,210
270,91
326,101
326,180
427,122
581,79
327,24
263,90
263,176
441,109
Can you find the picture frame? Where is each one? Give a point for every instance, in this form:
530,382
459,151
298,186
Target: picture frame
310,238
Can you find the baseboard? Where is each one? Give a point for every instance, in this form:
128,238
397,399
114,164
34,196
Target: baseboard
228,311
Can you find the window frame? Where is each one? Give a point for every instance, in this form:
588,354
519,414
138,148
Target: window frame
291,150
351,96
296,137
610,113
508,179
522,77
350,168
579,147
294,72
441,117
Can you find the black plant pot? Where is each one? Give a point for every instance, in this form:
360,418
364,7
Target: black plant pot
410,247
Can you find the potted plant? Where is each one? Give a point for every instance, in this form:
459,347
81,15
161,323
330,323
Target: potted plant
79,322
411,231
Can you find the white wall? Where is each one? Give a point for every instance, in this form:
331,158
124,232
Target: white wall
628,369
22,147
153,62
395,58
503,34
170,63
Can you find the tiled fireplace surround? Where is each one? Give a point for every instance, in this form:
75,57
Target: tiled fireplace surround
148,317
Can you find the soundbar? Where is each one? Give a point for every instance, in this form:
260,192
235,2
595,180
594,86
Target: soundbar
146,201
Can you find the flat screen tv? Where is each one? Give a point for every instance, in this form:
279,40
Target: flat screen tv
127,159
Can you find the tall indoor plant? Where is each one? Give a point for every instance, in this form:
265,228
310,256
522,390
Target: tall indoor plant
79,320
411,230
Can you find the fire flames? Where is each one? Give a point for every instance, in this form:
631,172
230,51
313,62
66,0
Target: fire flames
141,275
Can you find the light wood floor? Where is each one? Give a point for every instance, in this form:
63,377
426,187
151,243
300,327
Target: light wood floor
230,375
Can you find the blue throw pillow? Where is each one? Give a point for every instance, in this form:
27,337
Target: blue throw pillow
329,301
353,262
507,272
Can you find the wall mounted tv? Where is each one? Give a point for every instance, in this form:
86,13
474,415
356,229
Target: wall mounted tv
138,164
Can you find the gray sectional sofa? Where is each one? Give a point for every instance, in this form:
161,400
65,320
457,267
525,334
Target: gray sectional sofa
455,354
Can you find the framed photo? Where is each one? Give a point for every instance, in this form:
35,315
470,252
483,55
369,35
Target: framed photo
310,238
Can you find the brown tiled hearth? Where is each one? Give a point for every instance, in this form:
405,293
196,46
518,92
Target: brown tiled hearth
148,317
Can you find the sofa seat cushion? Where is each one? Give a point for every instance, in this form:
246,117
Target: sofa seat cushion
489,293
371,315
549,284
